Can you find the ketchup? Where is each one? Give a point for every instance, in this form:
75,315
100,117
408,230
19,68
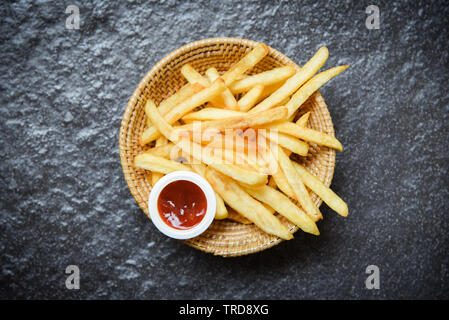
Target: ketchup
182,204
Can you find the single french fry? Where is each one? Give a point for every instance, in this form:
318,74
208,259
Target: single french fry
310,87
221,212
325,193
250,98
239,200
161,151
153,163
210,114
248,61
264,78
282,183
243,121
184,107
157,175
237,217
302,122
227,96
282,204
306,134
289,142
297,185
296,81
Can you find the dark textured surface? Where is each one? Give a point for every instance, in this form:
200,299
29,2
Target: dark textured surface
64,199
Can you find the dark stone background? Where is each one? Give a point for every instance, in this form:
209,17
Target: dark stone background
64,199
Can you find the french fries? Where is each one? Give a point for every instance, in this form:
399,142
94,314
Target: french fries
266,78
293,83
221,211
158,164
306,134
325,193
229,100
302,122
297,185
184,107
237,129
279,202
310,87
243,203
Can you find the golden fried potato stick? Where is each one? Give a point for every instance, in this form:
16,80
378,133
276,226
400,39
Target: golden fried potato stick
243,203
310,87
210,114
224,99
248,61
302,122
282,204
325,193
237,217
161,151
250,98
288,142
265,78
153,163
297,185
182,94
221,212
227,96
184,107
198,152
306,134
296,81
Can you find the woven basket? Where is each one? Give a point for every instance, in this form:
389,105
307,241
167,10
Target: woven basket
225,237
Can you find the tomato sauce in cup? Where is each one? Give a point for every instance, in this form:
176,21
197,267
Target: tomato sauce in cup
182,204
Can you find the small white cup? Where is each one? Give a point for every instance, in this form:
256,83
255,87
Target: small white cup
210,199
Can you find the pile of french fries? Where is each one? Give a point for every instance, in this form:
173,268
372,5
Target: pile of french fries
238,132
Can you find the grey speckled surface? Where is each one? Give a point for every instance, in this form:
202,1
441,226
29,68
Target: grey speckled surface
64,199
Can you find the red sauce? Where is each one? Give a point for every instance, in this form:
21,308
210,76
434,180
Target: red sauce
182,204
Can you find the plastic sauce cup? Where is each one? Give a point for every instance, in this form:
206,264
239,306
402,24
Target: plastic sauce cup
169,230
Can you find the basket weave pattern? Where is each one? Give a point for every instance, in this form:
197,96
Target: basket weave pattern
225,237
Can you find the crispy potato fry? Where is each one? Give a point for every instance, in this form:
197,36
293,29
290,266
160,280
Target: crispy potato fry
161,151
307,134
157,175
181,95
248,61
183,108
227,96
296,81
240,201
302,122
210,114
282,204
310,87
221,212
153,163
282,183
289,142
325,193
297,185
245,120
237,217
264,78
250,98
